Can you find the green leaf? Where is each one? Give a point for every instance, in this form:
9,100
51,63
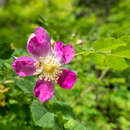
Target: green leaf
41,117
26,84
38,110
107,44
47,120
118,80
62,107
74,125
97,58
116,63
125,50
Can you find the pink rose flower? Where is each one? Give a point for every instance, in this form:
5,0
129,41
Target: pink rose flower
47,63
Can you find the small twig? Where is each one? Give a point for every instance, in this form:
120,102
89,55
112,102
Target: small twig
6,81
103,73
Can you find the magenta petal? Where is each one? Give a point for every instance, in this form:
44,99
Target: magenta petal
44,90
67,79
58,50
36,48
42,35
69,53
24,66
65,53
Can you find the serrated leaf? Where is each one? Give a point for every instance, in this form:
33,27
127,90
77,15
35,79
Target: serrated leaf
66,109
26,84
47,120
37,110
74,125
116,63
107,44
125,50
41,117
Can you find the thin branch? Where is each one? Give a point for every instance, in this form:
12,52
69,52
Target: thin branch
103,73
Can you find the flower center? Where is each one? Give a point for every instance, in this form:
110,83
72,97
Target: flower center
49,68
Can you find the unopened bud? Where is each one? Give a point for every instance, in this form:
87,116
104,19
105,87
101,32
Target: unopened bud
79,42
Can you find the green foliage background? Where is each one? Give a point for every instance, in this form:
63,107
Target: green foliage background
100,99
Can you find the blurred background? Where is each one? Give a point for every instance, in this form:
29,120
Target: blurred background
101,96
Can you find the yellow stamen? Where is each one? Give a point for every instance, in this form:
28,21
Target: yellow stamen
49,67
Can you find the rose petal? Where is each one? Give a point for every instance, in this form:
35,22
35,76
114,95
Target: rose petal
44,90
24,66
65,53
67,79
42,35
58,50
37,47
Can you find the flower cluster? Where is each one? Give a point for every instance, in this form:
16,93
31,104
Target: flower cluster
47,63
